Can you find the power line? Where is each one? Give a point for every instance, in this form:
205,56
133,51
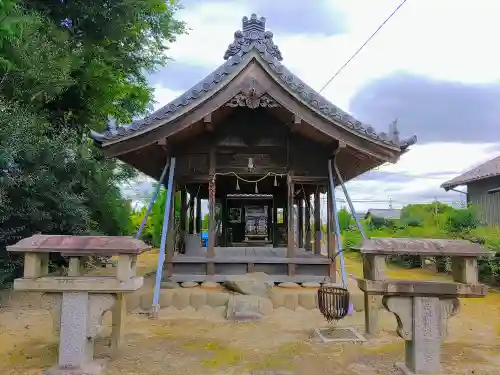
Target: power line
364,44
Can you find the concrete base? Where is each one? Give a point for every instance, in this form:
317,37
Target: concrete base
92,368
404,370
193,243
346,334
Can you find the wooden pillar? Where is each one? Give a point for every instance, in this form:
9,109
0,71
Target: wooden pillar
307,220
198,215
317,222
211,212
170,236
275,221
270,228
191,215
290,251
183,217
224,220
300,208
331,237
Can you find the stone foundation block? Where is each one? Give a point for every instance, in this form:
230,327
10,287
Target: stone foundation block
92,368
181,299
216,299
291,301
166,296
277,298
266,306
146,301
308,300
198,299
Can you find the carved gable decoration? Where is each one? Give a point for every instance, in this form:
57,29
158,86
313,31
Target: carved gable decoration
252,101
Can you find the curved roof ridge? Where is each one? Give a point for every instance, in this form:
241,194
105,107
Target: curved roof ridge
254,37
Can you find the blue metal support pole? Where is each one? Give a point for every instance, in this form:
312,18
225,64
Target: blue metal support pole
161,257
152,201
349,202
337,226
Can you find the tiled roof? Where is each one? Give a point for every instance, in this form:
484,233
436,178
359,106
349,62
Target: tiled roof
254,37
489,169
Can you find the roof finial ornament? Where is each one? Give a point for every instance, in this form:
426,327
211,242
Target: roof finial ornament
253,35
111,124
253,24
394,132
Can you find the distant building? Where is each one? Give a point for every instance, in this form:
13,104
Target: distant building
483,189
360,215
384,213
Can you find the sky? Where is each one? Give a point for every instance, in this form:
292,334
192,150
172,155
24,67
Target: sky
433,67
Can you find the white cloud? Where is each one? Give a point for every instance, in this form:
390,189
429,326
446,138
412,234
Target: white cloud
163,95
446,40
441,157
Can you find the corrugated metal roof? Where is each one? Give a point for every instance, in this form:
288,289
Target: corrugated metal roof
489,169
385,213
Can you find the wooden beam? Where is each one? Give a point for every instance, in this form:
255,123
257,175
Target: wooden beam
198,215
191,214
275,221
170,236
300,208
317,222
211,212
207,120
331,238
163,142
183,213
290,251
294,126
307,241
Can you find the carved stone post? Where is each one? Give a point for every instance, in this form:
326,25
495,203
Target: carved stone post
373,269
317,223
422,323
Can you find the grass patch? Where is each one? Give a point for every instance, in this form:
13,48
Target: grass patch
34,354
220,356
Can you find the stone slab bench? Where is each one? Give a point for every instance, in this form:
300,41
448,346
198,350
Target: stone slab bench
422,308
79,302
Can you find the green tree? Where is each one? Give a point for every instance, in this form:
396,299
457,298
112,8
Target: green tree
344,218
113,46
66,67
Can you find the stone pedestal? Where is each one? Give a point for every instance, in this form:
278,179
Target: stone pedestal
373,269
78,302
193,244
422,323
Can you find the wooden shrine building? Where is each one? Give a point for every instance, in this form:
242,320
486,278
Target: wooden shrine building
254,140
